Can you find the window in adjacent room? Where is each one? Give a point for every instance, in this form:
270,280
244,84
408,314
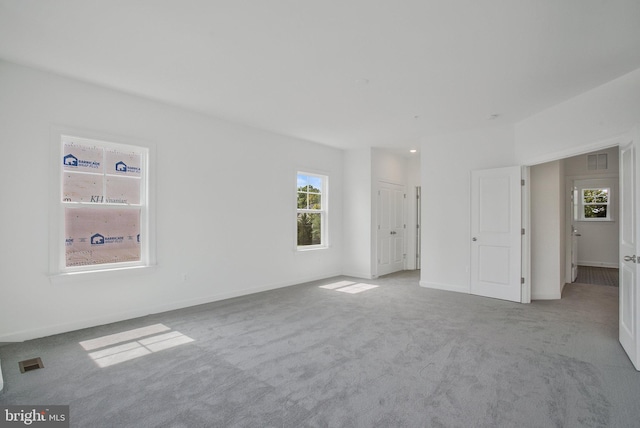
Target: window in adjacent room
103,205
595,203
311,210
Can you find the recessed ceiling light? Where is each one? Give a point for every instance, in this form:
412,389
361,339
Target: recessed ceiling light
413,150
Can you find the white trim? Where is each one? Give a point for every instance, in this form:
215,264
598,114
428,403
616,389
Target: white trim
324,212
575,151
59,273
93,275
1,378
445,287
361,275
29,334
598,264
611,184
546,296
525,294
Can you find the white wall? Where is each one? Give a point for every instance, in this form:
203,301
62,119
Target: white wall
413,181
598,244
225,212
595,120
363,170
391,167
447,163
581,124
357,217
547,230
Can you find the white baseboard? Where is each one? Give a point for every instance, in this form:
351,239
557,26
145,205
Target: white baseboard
445,287
545,296
361,275
598,264
21,336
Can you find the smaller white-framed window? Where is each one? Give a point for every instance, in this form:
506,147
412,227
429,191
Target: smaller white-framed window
593,200
595,203
311,211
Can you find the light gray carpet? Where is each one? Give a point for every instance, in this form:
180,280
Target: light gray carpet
393,356
597,275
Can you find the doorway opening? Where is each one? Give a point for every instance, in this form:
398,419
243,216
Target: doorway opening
575,222
593,220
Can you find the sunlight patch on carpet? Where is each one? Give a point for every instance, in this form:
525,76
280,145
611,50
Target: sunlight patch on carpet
121,347
348,287
338,284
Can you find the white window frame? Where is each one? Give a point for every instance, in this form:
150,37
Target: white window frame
595,184
58,271
324,212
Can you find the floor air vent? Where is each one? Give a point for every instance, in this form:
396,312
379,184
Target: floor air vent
32,364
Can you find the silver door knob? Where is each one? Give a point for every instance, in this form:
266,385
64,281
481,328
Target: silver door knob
474,239
630,258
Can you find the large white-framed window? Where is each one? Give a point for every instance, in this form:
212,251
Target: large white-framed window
312,211
102,207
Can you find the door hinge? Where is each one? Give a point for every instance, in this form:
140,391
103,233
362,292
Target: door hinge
522,182
521,280
523,230
405,196
405,226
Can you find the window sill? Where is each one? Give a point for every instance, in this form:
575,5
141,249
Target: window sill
93,275
309,248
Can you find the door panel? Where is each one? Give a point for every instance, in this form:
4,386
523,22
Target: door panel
391,228
629,325
496,233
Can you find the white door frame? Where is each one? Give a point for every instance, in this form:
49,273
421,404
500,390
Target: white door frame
619,141
525,294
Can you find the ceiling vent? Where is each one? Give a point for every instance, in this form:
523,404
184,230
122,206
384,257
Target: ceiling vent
598,161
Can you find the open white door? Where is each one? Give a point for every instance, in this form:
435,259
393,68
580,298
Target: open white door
496,233
629,324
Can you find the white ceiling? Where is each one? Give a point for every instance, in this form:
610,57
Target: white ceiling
348,73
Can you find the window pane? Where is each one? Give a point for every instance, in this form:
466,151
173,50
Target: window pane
77,157
96,236
302,200
120,163
314,201
309,229
302,181
123,190
315,184
595,196
595,211
82,187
